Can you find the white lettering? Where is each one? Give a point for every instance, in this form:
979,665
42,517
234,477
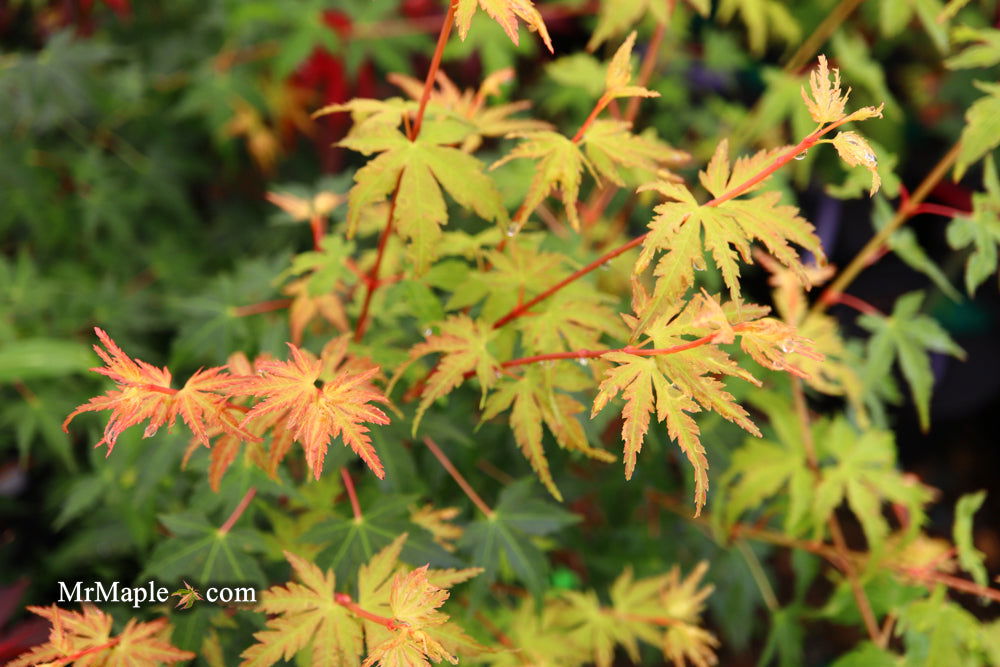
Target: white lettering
66,596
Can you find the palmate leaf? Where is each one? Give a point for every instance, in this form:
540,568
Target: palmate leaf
306,613
419,169
661,610
201,552
345,543
463,344
505,538
679,378
981,230
535,402
396,624
685,229
486,121
559,164
313,414
83,634
864,473
388,588
982,128
506,13
144,392
909,337
611,148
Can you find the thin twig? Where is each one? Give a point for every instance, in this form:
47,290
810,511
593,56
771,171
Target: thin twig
780,161
905,211
839,543
344,600
238,512
457,476
351,494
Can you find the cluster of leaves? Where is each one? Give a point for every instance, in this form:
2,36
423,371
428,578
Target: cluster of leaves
440,257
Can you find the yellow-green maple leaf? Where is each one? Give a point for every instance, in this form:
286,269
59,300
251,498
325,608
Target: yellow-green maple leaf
611,146
420,169
533,401
504,12
684,229
306,614
463,344
388,588
560,164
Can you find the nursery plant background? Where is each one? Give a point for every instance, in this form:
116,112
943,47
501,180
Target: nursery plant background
165,178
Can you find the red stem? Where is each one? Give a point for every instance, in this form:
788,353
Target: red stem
238,512
854,302
457,476
262,307
602,102
351,494
778,163
413,133
372,279
449,21
940,209
318,231
628,349
114,641
344,600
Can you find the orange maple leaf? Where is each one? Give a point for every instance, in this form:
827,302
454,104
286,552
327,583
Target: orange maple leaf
85,637
313,414
144,392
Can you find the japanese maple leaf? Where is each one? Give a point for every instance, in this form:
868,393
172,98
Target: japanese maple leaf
187,596
506,13
306,612
144,392
724,227
417,171
313,414
88,633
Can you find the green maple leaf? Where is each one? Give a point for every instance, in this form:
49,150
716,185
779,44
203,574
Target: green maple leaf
348,543
616,17
685,229
198,549
504,539
939,632
909,337
420,169
981,230
863,471
982,128
674,386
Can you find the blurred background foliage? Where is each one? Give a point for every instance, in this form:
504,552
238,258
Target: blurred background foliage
140,140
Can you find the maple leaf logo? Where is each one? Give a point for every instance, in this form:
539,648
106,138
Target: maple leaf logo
339,407
188,596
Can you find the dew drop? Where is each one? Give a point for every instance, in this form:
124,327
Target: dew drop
871,159
427,332
698,264
802,155
511,231
583,361
606,266
786,347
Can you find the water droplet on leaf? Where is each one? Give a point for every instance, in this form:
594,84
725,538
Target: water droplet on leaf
802,155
